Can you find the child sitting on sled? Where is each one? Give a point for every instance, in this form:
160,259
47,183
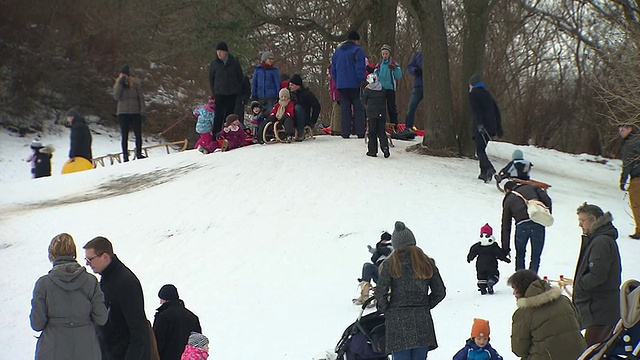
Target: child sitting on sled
204,123
478,347
40,159
257,117
488,253
370,269
233,134
518,167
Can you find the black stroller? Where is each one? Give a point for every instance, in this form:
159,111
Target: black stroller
624,342
364,339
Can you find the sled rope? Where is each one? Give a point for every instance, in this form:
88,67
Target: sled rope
176,123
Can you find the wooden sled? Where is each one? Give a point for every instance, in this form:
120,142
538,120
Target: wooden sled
563,283
542,185
117,157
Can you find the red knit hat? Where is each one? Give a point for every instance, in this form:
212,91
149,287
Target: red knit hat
480,328
486,229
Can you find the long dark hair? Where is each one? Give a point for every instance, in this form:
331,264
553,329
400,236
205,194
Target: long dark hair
421,264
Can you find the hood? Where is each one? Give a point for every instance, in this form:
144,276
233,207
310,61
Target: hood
67,273
539,293
376,86
603,226
347,45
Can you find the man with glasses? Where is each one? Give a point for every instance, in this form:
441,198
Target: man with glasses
514,207
126,333
596,283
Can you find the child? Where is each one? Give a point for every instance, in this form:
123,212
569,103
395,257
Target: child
40,159
488,252
233,135
283,112
478,347
197,348
370,269
375,100
257,117
518,167
204,115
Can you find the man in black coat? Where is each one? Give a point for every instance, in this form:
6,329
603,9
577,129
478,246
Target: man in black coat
225,80
514,207
173,324
486,124
80,136
126,335
307,108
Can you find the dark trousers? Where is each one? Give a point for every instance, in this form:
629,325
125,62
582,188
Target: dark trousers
487,278
225,105
416,96
370,272
351,97
526,231
377,132
302,119
127,121
597,333
392,109
481,151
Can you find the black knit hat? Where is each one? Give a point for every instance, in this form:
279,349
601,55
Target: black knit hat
510,185
125,69
168,292
296,79
474,79
385,236
353,35
222,46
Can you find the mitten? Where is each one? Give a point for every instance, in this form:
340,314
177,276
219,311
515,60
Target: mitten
480,128
391,66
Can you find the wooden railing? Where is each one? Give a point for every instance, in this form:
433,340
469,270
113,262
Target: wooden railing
117,157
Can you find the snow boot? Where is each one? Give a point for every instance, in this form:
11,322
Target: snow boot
365,288
386,153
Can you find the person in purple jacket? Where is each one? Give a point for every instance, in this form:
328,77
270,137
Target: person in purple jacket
415,69
232,133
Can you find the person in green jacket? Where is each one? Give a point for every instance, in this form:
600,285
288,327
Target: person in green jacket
545,325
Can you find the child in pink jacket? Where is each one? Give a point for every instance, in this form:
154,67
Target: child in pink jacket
197,348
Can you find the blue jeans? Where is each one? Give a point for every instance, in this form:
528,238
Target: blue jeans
302,118
351,97
370,272
411,354
417,94
526,231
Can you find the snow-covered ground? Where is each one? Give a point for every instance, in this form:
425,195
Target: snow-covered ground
265,243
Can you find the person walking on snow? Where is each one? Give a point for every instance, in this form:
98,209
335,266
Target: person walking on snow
488,253
486,124
173,323
631,171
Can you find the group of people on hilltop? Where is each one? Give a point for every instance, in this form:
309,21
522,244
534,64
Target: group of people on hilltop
80,318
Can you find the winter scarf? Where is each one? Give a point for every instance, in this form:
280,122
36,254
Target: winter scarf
282,108
266,66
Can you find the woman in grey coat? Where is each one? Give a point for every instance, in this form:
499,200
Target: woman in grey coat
409,287
67,304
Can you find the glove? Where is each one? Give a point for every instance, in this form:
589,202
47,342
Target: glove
480,128
370,68
391,66
369,247
507,260
623,186
417,72
507,254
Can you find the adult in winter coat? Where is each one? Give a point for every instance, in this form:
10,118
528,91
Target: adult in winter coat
266,81
631,171
225,80
486,123
131,108
67,304
173,324
307,106
80,136
348,71
410,286
544,326
415,69
514,207
596,283
126,335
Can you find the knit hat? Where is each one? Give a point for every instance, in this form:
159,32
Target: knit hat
35,144
255,104
486,229
371,78
222,46
296,79
480,328
125,69
402,236
266,55
510,185
198,340
486,236
386,47
353,35
168,292
284,93
517,155
230,118
474,79
385,236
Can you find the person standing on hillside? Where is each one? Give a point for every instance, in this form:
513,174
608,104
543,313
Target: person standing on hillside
131,108
631,170
596,283
389,72
415,69
173,324
126,333
348,69
80,136
486,124
266,81
225,81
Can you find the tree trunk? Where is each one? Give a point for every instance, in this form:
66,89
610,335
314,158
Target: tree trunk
383,27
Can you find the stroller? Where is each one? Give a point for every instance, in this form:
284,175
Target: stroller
624,342
365,338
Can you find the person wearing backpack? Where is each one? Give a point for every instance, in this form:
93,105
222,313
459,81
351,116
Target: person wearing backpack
515,207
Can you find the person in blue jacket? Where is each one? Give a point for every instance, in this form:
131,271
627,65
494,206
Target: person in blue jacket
389,72
348,69
266,82
415,69
478,347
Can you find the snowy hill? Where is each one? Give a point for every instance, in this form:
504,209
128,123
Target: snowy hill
265,243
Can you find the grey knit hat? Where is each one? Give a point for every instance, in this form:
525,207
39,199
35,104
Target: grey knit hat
402,236
198,340
266,55
517,155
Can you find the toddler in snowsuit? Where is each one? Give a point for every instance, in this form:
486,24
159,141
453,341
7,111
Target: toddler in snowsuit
197,347
370,269
518,167
204,123
233,134
375,100
478,347
488,253
40,159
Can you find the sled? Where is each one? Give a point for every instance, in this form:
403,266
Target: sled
542,185
563,283
76,164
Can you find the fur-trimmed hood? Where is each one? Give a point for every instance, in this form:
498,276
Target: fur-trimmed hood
539,293
604,226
